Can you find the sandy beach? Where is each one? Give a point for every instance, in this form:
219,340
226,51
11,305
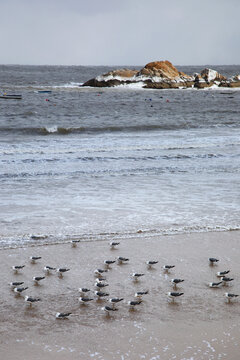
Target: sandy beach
201,324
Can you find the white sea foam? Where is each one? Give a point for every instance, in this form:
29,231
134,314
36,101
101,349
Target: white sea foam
52,129
71,85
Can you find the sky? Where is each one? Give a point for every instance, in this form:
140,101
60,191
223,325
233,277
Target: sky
119,32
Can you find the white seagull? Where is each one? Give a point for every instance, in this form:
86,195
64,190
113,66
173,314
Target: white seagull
175,282
30,300
83,290
113,244
19,290
132,303
139,294
99,272
136,276
16,268
222,273
34,259
62,315
122,260
215,284
226,280
36,279
168,267
109,309
115,301
75,242
84,300
109,262
150,263
16,284
61,271
213,260
230,296
173,295
101,294
100,285
48,269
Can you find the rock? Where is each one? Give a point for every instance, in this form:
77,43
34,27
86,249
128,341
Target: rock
236,78
162,75
112,78
163,69
200,82
212,75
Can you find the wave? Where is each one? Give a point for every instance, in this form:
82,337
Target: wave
53,239
59,130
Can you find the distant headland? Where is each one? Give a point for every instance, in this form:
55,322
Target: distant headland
163,75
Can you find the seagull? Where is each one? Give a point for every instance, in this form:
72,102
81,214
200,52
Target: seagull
101,294
230,296
62,315
132,304
114,301
136,276
175,282
139,294
109,262
84,300
100,285
226,279
16,284
31,300
150,263
214,284
122,260
60,271
34,259
213,260
113,244
36,279
19,290
48,269
173,294
75,242
108,309
99,272
168,267
222,273
17,267
100,279
83,290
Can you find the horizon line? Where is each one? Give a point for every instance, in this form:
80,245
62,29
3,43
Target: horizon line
114,65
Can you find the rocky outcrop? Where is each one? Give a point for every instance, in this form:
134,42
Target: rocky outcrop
113,78
210,75
207,78
162,75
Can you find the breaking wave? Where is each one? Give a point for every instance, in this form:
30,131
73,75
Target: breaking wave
48,239
59,130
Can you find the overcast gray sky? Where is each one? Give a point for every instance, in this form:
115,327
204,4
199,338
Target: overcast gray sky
119,32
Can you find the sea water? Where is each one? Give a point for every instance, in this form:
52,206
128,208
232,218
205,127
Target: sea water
97,163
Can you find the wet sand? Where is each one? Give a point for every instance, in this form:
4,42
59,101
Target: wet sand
199,325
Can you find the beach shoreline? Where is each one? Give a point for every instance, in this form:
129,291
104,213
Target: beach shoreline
199,325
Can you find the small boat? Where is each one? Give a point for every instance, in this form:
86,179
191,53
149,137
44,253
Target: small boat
44,91
11,96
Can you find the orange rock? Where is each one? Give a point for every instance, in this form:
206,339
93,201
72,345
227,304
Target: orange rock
124,73
164,69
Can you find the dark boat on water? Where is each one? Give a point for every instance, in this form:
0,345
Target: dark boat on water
44,91
11,96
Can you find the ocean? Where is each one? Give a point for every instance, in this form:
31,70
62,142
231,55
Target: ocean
104,163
